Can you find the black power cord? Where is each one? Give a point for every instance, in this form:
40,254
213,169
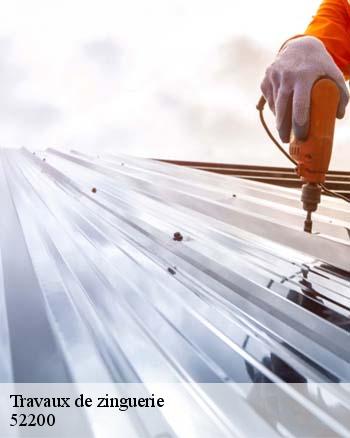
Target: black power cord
332,193
260,107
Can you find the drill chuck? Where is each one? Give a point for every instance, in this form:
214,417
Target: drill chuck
310,197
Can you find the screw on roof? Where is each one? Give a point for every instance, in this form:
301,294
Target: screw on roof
178,237
172,271
94,190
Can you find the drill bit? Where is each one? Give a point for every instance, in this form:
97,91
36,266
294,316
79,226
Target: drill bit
308,223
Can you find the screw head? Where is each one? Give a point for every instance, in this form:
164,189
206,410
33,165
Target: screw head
172,271
178,237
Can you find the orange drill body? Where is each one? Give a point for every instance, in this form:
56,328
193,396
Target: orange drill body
314,154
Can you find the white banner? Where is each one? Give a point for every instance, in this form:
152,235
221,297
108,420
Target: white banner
170,410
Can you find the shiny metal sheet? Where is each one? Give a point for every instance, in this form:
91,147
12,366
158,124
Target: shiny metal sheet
93,287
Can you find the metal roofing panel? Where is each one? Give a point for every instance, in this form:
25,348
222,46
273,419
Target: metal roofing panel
283,176
93,287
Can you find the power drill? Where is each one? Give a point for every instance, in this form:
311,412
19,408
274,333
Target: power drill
314,154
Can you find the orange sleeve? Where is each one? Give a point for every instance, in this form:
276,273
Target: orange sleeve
331,25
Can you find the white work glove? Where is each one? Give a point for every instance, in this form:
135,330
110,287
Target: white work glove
289,80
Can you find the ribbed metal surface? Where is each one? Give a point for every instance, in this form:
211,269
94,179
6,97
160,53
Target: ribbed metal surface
94,288
338,181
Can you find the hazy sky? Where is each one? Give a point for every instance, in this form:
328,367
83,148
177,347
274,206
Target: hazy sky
156,78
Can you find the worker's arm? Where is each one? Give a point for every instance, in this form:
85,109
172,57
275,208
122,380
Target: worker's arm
331,25
302,61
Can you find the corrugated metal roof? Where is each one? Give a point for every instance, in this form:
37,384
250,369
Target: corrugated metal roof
93,287
338,181
97,279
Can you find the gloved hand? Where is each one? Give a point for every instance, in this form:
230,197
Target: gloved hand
288,83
